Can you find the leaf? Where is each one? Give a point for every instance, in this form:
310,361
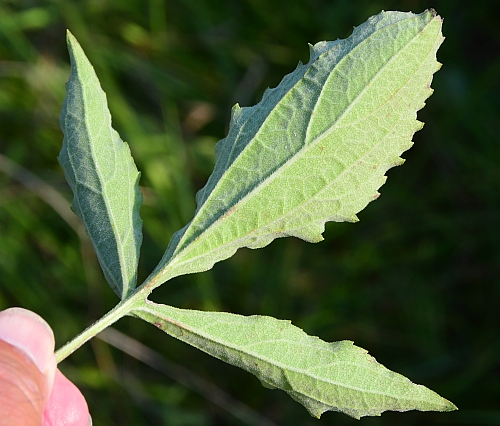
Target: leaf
101,172
321,376
316,148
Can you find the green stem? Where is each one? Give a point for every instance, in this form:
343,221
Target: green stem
123,308
111,317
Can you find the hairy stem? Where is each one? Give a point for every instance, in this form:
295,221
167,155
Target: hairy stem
119,311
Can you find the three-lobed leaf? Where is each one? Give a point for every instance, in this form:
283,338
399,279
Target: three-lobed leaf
316,148
321,376
102,174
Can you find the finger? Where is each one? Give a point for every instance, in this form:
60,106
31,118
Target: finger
66,405
27,366
30,333
23,391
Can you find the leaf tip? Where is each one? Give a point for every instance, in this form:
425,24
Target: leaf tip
74,47
450,406
71,40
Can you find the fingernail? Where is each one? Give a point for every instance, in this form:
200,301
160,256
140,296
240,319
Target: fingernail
31,334
90,420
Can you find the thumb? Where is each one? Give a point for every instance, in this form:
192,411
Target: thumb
27,367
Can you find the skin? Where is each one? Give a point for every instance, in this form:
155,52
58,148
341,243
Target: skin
33,392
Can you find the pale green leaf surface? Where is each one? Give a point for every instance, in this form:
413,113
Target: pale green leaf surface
321,376
316,148
101,172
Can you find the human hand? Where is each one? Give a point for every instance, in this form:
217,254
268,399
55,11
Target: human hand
33,392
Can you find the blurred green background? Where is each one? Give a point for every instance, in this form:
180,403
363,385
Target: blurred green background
414,282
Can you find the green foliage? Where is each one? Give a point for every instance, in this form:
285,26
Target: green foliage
314,149
321,376
415,281
102,174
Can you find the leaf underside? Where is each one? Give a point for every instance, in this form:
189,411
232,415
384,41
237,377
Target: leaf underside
317,146
315,149
101,172
321,376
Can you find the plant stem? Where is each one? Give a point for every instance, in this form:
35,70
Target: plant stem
137,298
111,317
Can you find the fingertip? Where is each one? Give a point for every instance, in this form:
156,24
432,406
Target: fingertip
30,333
66,405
